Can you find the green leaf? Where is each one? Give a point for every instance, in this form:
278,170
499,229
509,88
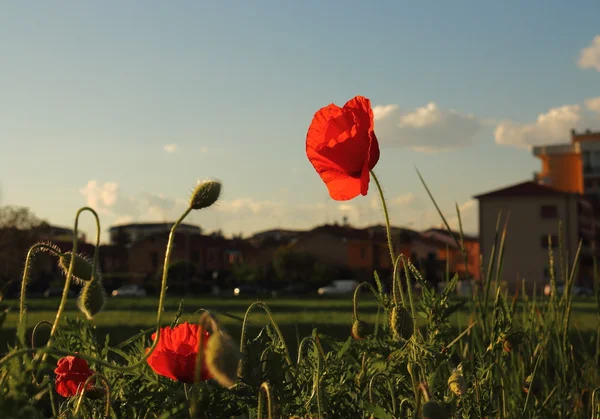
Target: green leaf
423,314
344,348
377,411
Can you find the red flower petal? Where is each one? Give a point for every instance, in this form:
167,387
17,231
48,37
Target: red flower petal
343,148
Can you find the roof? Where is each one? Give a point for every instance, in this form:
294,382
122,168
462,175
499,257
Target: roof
150,225
528,188
444,232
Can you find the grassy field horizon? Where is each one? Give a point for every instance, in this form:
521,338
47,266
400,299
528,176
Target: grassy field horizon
125,317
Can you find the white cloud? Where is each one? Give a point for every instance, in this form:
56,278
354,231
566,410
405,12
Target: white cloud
100,195
551,127
403,200
249,205
427,129
593,104
170,148
203,149
589,57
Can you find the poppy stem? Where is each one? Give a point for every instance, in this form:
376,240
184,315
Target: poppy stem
317,369
265,389
263,306
65,294
22,326
355,298
84,389
388,231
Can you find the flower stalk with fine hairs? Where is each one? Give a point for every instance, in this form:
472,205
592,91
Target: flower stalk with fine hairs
360,329
65,293
389,386
263,306
265,389
317,369
101,391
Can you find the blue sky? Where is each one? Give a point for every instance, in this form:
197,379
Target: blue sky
125,105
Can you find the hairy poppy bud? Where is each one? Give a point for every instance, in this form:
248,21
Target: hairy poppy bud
360,329
434,410
205,194
91,299
82,269
401,323
511,341
531,385
456,382
222,359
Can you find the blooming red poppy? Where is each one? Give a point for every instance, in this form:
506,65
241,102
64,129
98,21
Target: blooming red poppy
342,147
71,374
176,352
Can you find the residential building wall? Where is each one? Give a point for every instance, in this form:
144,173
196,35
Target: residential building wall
525,249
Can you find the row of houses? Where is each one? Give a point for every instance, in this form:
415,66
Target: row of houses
135,253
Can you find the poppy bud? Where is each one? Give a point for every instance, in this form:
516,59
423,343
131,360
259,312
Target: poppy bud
91,299
205,194
82,269
511,341
360,329
456,382
222,359
434,410
531,385
401,323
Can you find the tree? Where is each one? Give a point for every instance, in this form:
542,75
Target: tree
291,266
19,230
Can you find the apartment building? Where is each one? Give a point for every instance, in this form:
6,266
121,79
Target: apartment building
533,211
572,167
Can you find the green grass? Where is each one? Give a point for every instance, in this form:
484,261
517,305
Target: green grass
124,317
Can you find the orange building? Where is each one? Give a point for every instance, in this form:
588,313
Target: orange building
572,167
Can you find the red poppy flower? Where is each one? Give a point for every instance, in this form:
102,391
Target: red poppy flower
71,374
343,148
176,352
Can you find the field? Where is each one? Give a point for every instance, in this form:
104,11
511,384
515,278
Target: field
124,317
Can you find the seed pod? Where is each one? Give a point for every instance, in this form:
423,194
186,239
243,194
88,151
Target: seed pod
512,341
222,358
360,329
91,299
82,269
401,323
456,382
434,410
205,194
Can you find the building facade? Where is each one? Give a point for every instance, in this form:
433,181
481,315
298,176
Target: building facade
533,212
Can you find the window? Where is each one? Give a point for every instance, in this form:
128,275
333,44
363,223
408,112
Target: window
544,241
548,211
154,258
587,183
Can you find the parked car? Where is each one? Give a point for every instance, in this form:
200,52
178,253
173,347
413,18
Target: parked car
576,290
340,286
129,291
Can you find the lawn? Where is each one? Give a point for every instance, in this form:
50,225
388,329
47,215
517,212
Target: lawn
124,317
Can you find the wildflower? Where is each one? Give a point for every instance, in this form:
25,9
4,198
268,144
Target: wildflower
176,352
222,359
456,382
360,329
342,147
401,323
71,374
205,194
